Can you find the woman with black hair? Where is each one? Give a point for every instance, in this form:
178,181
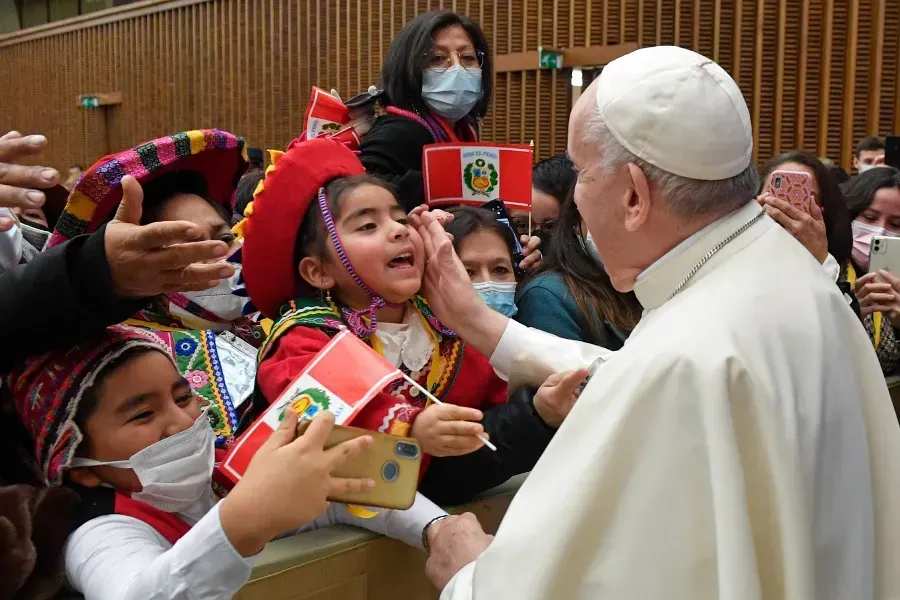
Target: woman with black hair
571,295
873,198
435,86
827,237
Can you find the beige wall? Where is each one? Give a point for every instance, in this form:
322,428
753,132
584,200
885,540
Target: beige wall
817,74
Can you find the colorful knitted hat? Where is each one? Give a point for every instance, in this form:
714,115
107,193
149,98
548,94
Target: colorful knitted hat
220,157
293,182
47,389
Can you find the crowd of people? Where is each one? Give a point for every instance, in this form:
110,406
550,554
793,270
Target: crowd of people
723,349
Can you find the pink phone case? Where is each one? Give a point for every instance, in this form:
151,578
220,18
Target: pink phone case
794,187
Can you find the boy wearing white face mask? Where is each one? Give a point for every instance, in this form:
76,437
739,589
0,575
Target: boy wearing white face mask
114,418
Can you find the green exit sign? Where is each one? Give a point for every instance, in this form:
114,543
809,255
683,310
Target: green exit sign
90,102
549,59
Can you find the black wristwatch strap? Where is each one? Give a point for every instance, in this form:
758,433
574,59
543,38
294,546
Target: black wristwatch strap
425,531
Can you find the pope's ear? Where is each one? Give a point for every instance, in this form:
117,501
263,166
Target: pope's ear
639,201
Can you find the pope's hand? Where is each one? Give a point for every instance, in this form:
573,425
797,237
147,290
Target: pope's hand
808,229
288,482
455,542
557,396
448,430
446,283
20,185
160,257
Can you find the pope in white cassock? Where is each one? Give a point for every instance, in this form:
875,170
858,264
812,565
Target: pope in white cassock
742,444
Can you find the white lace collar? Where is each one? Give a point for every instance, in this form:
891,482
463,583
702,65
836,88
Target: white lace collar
409,343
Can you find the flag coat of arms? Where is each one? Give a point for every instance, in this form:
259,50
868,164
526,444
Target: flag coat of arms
472,173
342,378
324,114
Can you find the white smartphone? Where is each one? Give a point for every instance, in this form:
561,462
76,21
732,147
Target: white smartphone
884,255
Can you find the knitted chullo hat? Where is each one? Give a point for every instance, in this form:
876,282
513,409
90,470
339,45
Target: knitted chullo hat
294,181
220,157
48,388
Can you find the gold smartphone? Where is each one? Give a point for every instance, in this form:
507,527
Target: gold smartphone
392,463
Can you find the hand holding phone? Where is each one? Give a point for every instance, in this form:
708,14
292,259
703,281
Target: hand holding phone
795,187
392,463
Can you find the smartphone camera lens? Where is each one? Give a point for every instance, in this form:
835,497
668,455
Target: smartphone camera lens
407,450
777,183
390,471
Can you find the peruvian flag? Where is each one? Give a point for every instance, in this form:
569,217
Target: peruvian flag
324,114
471,173
342,378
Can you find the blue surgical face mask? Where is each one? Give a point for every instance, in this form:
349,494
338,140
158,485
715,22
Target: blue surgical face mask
500,296
453,92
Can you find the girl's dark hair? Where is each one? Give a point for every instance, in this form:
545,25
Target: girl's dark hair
471,219
555,176
312,238
87,406
401,73
861,190
169,185
245,189
586,279
834,208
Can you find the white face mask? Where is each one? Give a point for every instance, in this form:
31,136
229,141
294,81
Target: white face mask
225,302
176,473
864,167
10,243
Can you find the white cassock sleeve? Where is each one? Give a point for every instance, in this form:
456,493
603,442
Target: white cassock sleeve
832,267
527,356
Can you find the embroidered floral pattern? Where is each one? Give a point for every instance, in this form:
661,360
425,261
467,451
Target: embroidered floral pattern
186,347
196,379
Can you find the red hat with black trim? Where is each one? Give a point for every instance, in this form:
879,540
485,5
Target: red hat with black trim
218,156
292,183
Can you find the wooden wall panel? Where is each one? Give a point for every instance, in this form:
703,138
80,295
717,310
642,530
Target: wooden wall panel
818,74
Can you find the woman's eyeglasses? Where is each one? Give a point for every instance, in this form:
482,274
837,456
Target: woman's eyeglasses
440,61
521,225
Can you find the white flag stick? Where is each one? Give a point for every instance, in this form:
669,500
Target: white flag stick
436,401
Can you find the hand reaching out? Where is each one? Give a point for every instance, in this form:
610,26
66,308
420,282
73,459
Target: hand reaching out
557,396
447,430
20,186
287,483
160,257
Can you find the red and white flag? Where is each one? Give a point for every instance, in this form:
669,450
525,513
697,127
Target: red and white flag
472,173
324,114
342,378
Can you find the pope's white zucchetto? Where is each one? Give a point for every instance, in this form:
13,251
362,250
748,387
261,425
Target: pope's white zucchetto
678,111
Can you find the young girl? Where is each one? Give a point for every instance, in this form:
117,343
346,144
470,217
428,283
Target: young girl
328,247
486,247
114,419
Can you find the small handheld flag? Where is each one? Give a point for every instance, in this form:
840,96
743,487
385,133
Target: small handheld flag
342,378
471,173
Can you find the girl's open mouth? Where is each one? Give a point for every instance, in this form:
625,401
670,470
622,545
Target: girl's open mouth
401,261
